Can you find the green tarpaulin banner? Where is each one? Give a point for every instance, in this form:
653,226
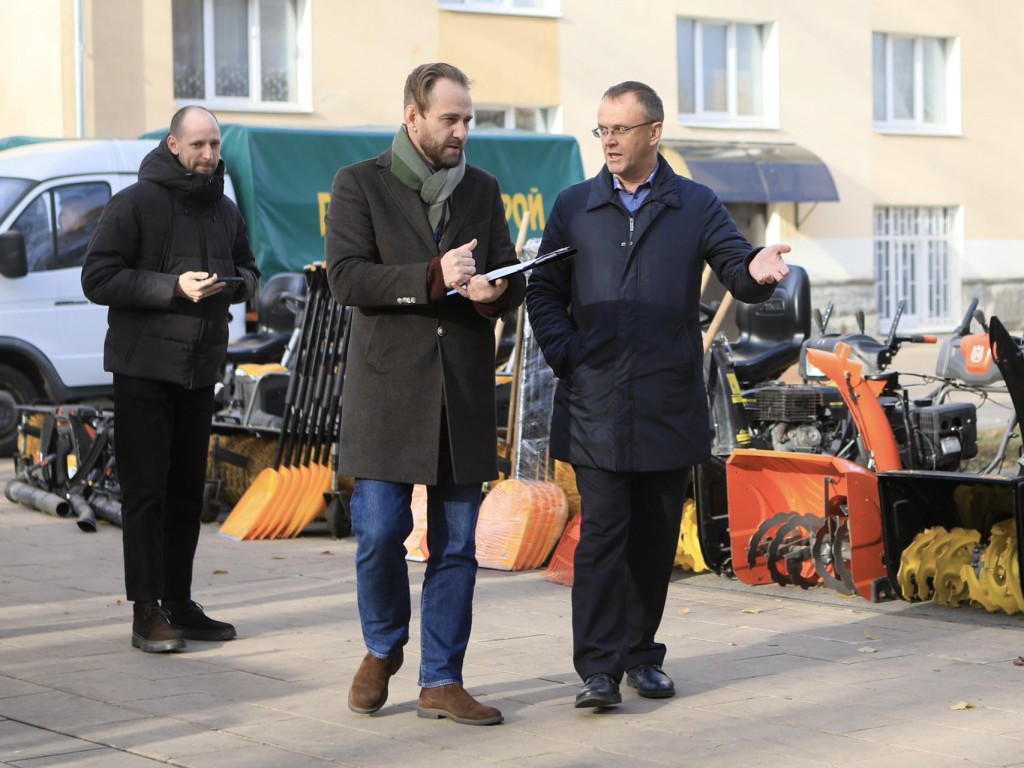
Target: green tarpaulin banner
283,180
8,142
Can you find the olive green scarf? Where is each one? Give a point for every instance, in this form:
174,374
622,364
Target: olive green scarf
434,187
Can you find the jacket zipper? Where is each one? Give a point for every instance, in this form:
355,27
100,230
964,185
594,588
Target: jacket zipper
632,373
205,263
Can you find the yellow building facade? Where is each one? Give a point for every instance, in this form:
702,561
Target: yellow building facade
906,108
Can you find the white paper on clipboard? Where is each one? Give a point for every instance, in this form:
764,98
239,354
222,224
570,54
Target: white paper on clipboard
525,266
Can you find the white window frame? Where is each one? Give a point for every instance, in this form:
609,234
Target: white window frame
917,252
548,8
509,115
769,117
917,125
303,73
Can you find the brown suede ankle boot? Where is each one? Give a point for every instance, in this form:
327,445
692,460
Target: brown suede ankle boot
369,688
151,630
452,701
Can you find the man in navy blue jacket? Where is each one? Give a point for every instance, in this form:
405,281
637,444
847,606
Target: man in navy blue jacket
620,327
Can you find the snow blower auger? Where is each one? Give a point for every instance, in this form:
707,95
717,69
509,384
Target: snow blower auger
805,519
841,545
953,537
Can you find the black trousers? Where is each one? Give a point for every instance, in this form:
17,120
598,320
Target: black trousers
161,442
629,533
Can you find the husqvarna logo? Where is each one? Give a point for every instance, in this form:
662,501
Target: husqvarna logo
978,352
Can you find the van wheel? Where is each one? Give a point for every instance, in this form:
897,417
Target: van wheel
15,389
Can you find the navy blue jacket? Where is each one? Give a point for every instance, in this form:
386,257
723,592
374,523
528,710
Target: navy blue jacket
619,323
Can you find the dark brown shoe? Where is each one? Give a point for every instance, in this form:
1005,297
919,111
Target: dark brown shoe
369,689
453,702
152,631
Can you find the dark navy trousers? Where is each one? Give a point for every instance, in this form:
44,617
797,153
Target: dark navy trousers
629,534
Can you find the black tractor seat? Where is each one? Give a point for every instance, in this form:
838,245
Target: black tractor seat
772,332
276,307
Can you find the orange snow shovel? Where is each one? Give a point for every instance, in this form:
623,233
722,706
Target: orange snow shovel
311,477
294,478
248,514
313,503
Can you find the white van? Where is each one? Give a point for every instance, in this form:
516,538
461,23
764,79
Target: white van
51,336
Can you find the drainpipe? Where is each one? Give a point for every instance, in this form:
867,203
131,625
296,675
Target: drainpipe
79,70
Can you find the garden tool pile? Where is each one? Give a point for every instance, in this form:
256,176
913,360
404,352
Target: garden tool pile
284,498
64,464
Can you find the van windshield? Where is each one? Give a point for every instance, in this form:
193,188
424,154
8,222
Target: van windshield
11,191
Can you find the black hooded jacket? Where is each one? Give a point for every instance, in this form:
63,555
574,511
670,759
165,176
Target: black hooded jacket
171,221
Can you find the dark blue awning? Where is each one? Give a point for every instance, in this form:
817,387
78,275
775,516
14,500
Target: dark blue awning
753,173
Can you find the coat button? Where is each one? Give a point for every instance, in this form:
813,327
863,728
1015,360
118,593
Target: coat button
441,331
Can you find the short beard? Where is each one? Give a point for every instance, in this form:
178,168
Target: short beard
434,155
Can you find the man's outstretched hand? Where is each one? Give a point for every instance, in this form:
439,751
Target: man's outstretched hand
768,267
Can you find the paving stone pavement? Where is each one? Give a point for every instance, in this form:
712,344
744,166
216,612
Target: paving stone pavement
766,676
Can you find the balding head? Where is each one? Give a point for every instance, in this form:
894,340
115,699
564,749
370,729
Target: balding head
195,139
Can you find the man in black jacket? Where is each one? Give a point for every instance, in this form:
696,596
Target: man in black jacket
620,327
156,260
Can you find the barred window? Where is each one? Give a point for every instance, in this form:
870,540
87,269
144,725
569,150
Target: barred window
914,253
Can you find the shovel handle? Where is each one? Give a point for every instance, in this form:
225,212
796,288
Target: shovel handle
705,278
716,321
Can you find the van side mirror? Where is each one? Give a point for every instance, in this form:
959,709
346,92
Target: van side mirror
13,261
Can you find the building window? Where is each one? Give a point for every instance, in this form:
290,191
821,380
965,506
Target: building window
241,54
916,83
524,118
914,253
515,7
727,73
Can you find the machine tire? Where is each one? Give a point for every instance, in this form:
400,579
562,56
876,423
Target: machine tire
15,389
339,517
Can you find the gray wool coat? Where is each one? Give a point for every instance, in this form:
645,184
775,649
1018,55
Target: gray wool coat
410,360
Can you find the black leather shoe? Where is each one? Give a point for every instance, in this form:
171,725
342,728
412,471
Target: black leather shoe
650,681
599,690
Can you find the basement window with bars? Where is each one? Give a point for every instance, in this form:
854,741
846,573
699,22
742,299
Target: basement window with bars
242,54
915,248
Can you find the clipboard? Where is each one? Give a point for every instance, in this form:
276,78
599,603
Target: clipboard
524,266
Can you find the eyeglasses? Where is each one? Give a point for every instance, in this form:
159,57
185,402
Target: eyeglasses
619,130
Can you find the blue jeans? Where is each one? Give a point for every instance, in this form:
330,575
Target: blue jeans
381,522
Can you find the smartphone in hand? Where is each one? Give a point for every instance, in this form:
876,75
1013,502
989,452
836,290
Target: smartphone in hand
231,280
